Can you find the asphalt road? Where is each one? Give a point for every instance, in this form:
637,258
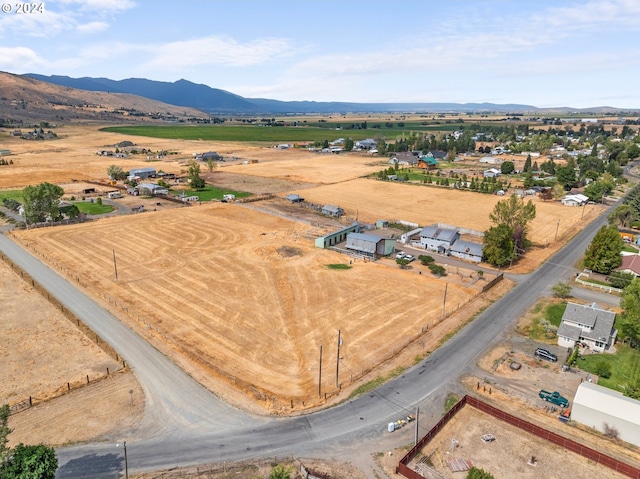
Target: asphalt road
185,424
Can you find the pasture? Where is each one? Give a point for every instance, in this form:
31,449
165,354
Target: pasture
233,296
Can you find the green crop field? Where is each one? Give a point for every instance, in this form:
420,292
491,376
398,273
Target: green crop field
253,133
93,208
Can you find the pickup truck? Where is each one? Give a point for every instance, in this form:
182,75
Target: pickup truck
554,398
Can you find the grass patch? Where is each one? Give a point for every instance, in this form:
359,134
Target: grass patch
209,193
11,194
545,319
450,401
624,366
338,266
93,208
629,249
379,381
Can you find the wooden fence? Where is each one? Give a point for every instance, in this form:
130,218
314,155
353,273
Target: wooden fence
566,443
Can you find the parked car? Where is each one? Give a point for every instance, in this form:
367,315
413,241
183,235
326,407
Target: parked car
409,258
544,354
554,398
400,255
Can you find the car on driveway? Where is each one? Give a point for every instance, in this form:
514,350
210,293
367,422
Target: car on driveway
409,258
544,354
400,255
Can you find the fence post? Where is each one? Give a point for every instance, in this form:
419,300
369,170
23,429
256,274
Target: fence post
87,379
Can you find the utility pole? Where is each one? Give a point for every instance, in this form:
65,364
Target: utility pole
444,300
558,226
338,360
115,267
320,375
415,442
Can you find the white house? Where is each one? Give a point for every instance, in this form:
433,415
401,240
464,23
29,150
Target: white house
491,173
575,200
466,250
437,239
366,144
602,409
587,324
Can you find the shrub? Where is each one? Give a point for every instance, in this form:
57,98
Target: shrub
426,259
437,270
603,369
476,473
562,290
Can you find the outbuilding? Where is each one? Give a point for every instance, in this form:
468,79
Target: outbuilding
332,210
433,238
294,198
466,250
143,173
370,245
607,410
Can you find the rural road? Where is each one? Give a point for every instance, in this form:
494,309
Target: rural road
185,424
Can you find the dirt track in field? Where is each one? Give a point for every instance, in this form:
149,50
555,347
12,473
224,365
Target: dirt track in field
193,281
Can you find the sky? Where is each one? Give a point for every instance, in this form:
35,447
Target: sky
545,53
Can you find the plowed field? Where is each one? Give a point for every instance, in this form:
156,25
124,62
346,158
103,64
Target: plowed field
214,288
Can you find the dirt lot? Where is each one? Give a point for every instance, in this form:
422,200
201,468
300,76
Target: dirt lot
209,263
41,367
507,456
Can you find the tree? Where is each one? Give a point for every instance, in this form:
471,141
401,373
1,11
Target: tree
4,432
280,472
507,167
498,245
193,173
622,215
516,215
562,290
603,253
527,164
558,191
348,144
476,473
630,316
31,462
620,279
41,202
426,259
116,173
211,165
437,270
566,176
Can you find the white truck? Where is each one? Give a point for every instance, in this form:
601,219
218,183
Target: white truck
114,194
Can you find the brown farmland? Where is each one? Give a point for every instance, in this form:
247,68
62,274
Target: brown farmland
213,288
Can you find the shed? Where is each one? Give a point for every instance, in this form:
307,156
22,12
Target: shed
382,224
332,210
294,198
370,245
599,407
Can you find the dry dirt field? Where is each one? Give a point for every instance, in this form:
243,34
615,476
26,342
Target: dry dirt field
209,263
507,456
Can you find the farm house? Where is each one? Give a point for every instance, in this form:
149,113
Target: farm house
143,173
437,239
602,408
587,324
370,245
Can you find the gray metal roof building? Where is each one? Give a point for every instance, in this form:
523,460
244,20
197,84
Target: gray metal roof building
589,324
370,245
143,172
596,406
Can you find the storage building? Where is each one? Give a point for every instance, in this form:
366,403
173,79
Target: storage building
370,245
143,172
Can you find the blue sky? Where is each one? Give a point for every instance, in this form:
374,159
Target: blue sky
538,52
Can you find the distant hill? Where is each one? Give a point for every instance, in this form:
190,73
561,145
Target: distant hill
213,100
25,100
216,101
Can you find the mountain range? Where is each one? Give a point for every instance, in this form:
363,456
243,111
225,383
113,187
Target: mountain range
214,100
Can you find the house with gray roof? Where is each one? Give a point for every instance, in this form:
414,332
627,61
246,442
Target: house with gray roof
367,144
587,324
466,250
440,240
332,210
404,158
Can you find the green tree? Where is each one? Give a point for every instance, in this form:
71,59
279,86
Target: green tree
528,181
280,472
527,164
348,144
476,473
498,245
4,432
622,215
31,462
514,213
507,167
630,316
193,173
116,173
41,202
562,290
437,270
603,253
558,191
566,177
211,165
603,369
70,211
426,259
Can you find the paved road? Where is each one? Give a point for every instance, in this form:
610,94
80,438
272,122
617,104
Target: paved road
184,424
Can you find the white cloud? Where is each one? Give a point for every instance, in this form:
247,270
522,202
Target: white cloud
44,24
214,50
101,6
20,59
92,27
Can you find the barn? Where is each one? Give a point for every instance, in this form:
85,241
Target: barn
603,408
466,250
336,237
370,245
143,173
